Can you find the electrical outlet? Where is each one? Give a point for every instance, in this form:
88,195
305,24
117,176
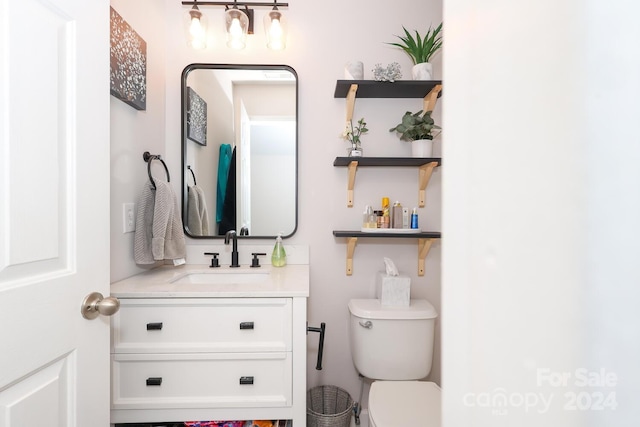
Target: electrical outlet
128,217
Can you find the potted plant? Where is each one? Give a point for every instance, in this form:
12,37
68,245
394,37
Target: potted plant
352,134
421,49
417,128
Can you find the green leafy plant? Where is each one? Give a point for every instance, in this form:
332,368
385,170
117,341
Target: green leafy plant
416,126
353,133
420,49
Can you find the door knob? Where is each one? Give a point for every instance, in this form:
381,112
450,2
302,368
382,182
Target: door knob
95,304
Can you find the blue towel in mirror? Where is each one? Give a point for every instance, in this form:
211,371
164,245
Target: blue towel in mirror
224,160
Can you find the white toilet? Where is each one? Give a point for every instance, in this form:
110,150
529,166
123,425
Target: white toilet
394,347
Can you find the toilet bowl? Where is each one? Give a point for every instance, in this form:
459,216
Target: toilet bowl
404,403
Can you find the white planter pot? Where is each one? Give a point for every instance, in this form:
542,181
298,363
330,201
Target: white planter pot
422,148
422,71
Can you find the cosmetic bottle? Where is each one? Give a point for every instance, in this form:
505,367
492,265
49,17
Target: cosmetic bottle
368,218
396,215
386,215
414,218
279,256
405,217
379,219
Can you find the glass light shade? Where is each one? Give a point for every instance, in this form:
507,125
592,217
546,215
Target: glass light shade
275,28
237,24
195,26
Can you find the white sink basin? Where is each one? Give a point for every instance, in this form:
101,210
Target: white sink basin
223,277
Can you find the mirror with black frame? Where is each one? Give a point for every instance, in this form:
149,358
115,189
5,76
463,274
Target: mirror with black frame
239,150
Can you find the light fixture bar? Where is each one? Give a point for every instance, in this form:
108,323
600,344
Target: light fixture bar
230,3
238,23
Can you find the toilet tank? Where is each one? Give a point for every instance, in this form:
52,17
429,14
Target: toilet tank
392,343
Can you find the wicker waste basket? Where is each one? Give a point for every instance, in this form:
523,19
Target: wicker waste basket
329,406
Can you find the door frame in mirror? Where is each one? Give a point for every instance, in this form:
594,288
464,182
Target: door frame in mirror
184,141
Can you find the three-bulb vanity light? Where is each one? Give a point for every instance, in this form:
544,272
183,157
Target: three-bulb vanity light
238,23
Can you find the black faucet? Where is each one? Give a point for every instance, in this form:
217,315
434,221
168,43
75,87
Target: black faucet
234,253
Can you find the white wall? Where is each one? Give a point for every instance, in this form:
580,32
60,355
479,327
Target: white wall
133,132
541,213
317,50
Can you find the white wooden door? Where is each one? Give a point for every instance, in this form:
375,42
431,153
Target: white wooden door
54,207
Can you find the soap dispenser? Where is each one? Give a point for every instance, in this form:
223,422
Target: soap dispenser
279,256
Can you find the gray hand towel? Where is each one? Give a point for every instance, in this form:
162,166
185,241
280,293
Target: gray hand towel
203,212
197,214
194,221
168,237
144,222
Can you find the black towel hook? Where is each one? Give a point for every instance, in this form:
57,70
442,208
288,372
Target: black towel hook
150,157
192,174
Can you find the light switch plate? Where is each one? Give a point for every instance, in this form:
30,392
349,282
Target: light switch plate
128,217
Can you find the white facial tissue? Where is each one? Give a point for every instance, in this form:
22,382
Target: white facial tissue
393,289
391,268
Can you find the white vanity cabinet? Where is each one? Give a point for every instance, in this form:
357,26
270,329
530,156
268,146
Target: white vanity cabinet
200,353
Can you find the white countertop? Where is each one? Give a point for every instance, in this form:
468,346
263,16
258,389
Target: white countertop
287,281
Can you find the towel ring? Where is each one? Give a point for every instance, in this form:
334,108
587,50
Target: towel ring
192,174
149,158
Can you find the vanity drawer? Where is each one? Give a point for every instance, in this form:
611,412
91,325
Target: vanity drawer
201,380
205,325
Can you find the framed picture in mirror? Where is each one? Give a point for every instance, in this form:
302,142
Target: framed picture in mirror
196,118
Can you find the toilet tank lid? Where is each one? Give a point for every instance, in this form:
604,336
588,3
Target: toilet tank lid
372,309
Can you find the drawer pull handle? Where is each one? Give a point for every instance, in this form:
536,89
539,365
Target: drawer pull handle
246,325
154,381
246,380
154,326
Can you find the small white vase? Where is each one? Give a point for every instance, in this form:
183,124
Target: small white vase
354,70
422,148
422,71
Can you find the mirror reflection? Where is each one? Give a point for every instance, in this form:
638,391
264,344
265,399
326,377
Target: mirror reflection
239,150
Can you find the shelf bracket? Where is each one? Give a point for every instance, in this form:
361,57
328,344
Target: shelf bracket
353,166
351,102
351,248
424,176
424,245
431,98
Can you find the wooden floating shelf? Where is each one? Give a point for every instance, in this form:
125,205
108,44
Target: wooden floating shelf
425,239
426,166
429,90
397,89
387,161
400,235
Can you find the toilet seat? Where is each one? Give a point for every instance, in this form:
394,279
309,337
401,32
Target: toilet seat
404,403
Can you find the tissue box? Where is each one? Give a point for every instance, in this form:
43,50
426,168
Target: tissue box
393,290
